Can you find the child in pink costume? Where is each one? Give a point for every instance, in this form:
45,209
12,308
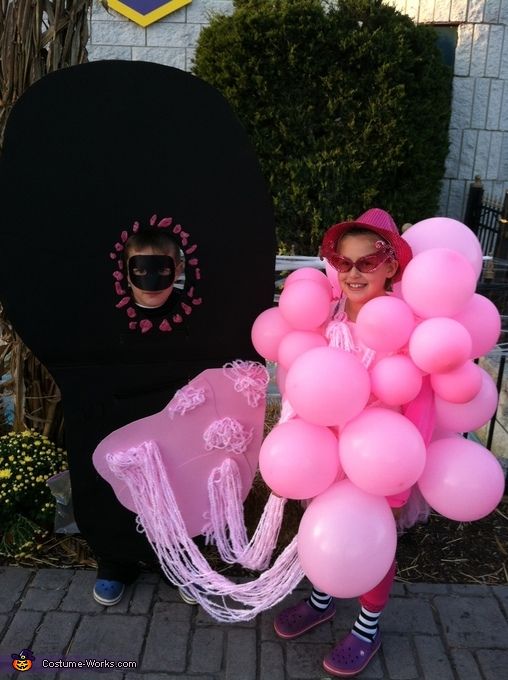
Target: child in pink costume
369,255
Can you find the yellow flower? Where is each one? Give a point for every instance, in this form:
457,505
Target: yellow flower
5,473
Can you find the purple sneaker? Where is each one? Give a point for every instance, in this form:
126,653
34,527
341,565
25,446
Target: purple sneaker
351,656
300,618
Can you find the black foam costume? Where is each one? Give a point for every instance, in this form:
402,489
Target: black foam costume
91,154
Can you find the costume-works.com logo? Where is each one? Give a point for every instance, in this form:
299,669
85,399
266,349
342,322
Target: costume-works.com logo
23,661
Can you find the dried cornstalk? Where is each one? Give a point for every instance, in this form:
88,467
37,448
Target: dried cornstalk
36,38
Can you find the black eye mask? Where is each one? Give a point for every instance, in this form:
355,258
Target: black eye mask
150,272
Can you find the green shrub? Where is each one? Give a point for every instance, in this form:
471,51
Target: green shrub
347,106
27,460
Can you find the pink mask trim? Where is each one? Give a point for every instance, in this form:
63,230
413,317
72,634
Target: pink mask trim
192,276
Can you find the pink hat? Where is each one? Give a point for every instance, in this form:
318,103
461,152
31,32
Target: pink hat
378,221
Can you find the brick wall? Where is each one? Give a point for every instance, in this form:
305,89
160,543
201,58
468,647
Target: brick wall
479,123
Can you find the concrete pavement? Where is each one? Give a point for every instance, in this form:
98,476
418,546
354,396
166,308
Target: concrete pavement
430,632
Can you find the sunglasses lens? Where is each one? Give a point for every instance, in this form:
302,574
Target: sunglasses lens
370,263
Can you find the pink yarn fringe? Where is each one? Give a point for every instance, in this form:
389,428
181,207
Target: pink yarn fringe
228,434
228,530
250,378
142,470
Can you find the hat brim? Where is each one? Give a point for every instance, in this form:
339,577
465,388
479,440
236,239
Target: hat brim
402,249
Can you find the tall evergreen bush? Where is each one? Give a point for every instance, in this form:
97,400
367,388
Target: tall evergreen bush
347,105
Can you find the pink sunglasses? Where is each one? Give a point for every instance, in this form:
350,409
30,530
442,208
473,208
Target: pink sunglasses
366,264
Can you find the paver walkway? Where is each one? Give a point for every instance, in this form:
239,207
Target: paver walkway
430,632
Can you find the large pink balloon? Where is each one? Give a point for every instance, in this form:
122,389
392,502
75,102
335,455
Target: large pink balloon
396,380
299,460
438,282
385,323
443,232
471,415
327,386
481,318
439,345
305,304
309,273
462,480
382,452
297,342
346,540
460,385
267,331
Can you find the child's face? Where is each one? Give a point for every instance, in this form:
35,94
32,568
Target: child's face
361,287
151,298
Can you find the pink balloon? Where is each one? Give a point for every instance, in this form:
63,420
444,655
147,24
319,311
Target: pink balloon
438,282
382,452
439,345
298,459
333,277
471,415
385,323
462,480
309,273
327,386
346,540
395,380
296,343
459,385
481,318
267,331
443,232
305,304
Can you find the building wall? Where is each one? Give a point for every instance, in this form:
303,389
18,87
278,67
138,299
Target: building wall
479,121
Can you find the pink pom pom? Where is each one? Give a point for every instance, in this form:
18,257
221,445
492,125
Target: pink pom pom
112,256
118,276
177,228
118,247
135,227
186,308
124,236
119,289
120,264
145,325
177,318
133,325
153,220
194,261
198,274
124,301
165,326
197,301
165,222
191,249
131,312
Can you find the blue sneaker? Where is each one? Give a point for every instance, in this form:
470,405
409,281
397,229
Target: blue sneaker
107,592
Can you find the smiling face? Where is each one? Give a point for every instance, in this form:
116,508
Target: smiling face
151,298
360,287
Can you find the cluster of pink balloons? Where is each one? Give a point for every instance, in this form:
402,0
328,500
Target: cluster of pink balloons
350,445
